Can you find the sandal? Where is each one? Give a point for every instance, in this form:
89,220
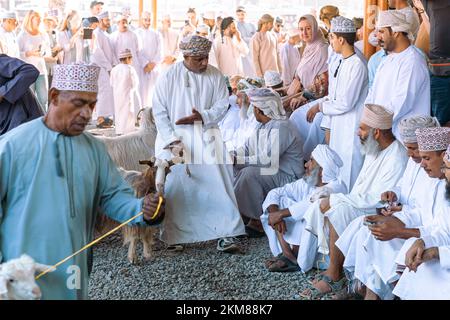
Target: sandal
271,261
287,266
316,294
175,248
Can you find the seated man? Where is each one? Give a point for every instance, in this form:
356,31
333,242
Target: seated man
272,80
370,252
284,207
271,158
428,259
247,123
54,177
383,166
231,121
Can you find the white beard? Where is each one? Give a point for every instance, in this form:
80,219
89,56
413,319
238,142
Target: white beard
313,178
370,146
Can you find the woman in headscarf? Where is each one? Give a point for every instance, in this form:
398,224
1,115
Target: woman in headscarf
230,49
312,73
35,49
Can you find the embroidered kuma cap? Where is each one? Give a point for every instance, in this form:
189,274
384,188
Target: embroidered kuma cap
76,77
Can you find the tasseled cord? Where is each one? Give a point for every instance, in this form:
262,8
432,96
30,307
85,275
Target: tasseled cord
58,164
186,80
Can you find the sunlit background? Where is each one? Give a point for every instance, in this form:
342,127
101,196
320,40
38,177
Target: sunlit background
290,10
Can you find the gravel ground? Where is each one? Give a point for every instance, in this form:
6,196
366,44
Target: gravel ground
200,272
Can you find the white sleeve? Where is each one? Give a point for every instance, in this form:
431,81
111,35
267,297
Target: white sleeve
161,112
346,101
444,257
218,110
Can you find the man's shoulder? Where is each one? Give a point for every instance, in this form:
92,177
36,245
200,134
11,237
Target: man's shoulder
23,133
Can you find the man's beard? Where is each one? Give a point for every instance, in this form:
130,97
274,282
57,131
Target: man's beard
370,146
313,178
447,191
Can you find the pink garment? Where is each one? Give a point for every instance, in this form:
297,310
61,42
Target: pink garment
315,56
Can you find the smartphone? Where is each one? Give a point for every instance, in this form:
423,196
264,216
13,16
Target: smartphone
87,33
186,23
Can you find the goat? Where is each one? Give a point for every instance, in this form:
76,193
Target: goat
143,184
127,150
17,279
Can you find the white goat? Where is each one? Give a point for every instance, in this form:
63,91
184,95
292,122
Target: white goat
17,279
127,150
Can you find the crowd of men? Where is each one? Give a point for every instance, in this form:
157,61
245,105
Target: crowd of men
342,163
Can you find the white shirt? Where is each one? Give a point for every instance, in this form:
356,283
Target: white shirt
229,55
402,85
28,42
9,44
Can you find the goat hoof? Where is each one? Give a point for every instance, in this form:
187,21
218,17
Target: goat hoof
133,260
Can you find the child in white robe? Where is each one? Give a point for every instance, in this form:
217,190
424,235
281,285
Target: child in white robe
125,83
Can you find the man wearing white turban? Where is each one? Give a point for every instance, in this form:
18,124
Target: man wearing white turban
371,260
8,37
284,207
383,166
402,81
271,158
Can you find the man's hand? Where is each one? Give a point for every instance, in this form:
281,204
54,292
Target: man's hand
325,205
149,67
297,102
176,148
312,113
196,116
150,206
389,196
385,228
277,216
238,35
393,209
281,227
414,256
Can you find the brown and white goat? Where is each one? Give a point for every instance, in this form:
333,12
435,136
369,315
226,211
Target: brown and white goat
151,181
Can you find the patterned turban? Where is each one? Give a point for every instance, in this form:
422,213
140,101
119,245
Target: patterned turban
272,78
409,126
250,83
75,77
268,101
340,24
447,154
433,139
195,46
125,54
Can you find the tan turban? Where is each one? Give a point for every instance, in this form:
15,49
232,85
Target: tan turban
395,19
377,117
